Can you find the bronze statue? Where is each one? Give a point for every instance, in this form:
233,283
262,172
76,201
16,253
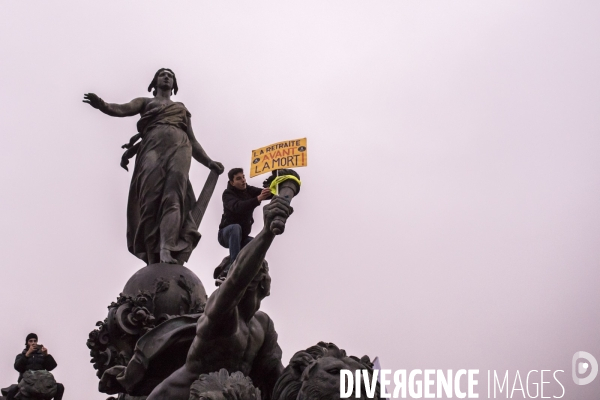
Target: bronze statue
38,385
227,331
232,333
160,227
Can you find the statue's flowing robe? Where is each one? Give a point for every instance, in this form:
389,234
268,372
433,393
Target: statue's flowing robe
161,196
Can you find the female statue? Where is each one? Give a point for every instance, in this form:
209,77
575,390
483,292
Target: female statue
160,227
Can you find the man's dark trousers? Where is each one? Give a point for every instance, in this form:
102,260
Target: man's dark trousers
231,238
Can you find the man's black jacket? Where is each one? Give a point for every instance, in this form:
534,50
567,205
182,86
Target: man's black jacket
238,206
36,361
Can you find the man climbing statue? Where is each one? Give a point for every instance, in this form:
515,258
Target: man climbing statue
239,202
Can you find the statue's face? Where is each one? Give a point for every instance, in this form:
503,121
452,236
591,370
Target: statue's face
253,286
165,80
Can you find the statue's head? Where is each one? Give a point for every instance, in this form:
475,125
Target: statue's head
314,373
222,386
37,385
261,284
156,83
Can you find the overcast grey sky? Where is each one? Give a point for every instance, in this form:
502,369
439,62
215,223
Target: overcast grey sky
449,214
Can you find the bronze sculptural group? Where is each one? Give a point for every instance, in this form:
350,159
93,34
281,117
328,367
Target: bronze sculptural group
219,348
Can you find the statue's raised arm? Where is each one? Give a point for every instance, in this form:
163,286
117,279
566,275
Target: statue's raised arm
245,272
160,227
135,106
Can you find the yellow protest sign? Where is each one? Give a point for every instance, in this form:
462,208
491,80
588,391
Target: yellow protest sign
288,154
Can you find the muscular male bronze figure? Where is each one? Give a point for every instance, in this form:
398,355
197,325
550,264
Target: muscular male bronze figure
232,333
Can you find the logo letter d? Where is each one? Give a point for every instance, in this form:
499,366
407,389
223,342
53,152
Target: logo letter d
582,367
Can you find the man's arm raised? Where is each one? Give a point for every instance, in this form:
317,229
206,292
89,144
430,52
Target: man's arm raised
248,262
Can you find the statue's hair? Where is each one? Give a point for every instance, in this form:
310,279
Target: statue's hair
154,82
289,383
234,386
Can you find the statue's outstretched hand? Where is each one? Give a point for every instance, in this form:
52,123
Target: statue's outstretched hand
93,100
276,213
217,167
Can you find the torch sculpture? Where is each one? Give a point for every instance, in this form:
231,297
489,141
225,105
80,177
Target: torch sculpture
284,183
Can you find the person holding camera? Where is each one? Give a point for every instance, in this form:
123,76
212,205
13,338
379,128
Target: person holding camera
35,357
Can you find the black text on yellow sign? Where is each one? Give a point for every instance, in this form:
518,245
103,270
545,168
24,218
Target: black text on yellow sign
287,154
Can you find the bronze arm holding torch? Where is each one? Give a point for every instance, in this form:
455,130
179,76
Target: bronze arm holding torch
288,188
